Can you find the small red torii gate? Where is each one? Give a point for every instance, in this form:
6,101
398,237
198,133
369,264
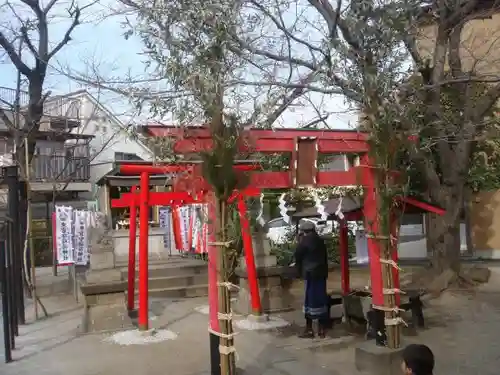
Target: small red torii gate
133,200
304,147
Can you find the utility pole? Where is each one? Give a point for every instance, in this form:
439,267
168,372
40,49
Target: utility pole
17,100
17,136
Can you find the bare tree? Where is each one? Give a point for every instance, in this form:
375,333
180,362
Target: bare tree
29,23
369,52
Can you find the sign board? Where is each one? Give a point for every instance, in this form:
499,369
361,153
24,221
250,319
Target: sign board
411,230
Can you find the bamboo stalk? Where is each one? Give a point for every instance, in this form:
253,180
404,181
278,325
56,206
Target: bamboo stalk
227,360
392,331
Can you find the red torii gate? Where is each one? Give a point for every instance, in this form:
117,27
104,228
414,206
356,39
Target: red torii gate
304,147
133,200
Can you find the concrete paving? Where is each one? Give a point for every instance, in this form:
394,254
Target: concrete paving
462,331
52,346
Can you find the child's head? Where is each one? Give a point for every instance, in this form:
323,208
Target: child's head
417,360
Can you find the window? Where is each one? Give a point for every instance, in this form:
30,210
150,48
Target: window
125,156
5,146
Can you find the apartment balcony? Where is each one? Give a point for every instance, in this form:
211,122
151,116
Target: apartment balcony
60,113
59,173
55,168
8,98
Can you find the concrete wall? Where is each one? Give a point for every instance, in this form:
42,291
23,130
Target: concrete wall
156,248
480,46
485,218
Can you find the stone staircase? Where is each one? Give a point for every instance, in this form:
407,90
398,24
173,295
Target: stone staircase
175,278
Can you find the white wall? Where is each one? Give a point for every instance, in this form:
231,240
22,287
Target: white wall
412,242
109,137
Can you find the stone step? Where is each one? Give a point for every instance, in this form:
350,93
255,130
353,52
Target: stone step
176,281
179,292
173,269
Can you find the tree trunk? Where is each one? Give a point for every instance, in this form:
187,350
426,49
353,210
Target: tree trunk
444,231
444,241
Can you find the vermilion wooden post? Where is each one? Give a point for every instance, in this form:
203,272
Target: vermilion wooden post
344,257
131,254
143,251
249,257
372,230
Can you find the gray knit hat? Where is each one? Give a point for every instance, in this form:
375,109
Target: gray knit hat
306,225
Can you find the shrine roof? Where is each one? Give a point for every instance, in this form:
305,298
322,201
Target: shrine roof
115,178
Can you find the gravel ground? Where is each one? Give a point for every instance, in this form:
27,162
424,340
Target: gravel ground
462,331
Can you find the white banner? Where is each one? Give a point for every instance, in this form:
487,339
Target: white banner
165,214
361,247
81,237
184,225
197,226
64,235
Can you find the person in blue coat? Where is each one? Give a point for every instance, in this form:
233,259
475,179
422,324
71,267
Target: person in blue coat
311,261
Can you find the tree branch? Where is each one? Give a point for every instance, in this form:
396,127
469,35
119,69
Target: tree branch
14,56
27,40
67,36
295,94
279,58
333,20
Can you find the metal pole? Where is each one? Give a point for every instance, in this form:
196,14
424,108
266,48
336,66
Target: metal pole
12,182
5,299
10,282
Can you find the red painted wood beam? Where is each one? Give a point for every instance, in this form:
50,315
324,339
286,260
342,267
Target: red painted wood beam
155,198
193,145
339,178
423,205
326,146
271,180
166,198
279,133
244,193
136,169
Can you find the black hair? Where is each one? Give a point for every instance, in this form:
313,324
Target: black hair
419,359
